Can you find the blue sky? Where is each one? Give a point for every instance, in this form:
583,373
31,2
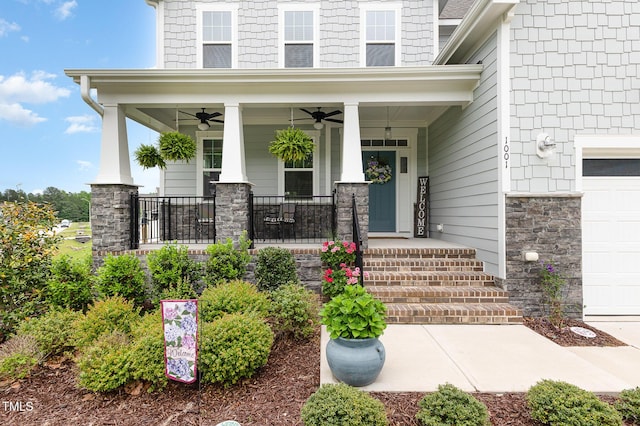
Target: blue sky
48,135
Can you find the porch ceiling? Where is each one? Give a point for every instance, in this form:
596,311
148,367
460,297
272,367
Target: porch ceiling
415,96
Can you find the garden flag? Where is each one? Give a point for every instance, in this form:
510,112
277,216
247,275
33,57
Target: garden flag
180,324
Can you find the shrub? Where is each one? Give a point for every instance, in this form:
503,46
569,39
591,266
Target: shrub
178,291
342,405
233,347
628,405
52,331
552,283
232,297
70,284
560,403
171,265
225,262
275,266
104,364
105,316
294,311
452,406
122,276
146,351
26,251
18,356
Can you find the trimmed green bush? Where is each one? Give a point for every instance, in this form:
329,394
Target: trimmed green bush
172,271
104,317
122,276
70,283
628,405
178,291
275,266
342,405
452,406
294,311
53,331
560,403
146,351
233,347
232,297
226,262
104,365
18,356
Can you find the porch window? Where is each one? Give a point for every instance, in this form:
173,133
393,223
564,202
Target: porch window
381,37
298,37
298,178
211,164
217,46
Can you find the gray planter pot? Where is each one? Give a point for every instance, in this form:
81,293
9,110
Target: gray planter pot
356,362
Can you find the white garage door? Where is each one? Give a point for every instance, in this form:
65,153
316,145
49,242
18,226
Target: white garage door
611,237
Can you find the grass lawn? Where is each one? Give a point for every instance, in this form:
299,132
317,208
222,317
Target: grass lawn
70,246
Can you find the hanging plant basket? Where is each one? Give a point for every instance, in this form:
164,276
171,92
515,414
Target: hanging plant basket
291,144
149,157
176,146
378,171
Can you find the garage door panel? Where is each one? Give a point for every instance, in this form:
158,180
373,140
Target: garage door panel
611,245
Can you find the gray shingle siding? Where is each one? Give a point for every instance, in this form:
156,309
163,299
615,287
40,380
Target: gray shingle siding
575,69
339,44
463,168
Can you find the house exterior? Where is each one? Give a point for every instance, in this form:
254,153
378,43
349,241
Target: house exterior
523,114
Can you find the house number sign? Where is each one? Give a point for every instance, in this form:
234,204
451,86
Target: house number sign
421,221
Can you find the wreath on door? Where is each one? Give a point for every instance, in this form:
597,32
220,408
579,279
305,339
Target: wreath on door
378,171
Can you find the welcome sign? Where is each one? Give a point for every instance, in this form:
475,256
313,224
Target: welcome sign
421,220
180,325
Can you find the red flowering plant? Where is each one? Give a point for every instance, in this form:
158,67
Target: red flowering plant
334,253
335,280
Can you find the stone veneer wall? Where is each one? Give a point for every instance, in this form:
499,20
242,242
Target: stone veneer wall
550,226
232,210
344,192
111,217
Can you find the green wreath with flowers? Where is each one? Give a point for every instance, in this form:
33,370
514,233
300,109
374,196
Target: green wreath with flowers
378,171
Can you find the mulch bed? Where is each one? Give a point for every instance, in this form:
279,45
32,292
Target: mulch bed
273,397
566,337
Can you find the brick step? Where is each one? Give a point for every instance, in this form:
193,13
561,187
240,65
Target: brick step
429,279
402,294
420,264
419,253
458,313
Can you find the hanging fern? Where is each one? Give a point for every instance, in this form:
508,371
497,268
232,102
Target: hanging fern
291,144
149,157
176,146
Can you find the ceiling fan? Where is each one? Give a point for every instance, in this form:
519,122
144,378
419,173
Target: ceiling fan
205,118
320,115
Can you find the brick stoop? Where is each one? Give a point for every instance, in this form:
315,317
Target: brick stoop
436,286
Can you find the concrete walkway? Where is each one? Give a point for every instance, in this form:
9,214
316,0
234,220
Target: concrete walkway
499,358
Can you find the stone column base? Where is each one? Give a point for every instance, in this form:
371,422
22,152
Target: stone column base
232,210
344,195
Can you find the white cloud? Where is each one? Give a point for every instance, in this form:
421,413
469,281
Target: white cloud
81,124
18,89
65,10
16,114
84,165
7,27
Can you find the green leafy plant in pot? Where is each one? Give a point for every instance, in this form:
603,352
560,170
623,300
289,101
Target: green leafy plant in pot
172,146
354,320
292,144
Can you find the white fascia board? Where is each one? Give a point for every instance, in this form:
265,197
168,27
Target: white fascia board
476,25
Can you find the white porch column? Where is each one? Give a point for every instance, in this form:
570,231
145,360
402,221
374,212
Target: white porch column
351,150
115,166
233,161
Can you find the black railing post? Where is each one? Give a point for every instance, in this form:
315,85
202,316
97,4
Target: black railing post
252,231
357,238
134,219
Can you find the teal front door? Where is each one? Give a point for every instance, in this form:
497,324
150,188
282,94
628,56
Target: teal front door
382,196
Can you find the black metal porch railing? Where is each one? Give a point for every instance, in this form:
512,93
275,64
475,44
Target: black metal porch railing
357,237
291,219
156,220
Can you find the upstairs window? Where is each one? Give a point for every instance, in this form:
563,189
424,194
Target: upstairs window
381,47
217,39
298,36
